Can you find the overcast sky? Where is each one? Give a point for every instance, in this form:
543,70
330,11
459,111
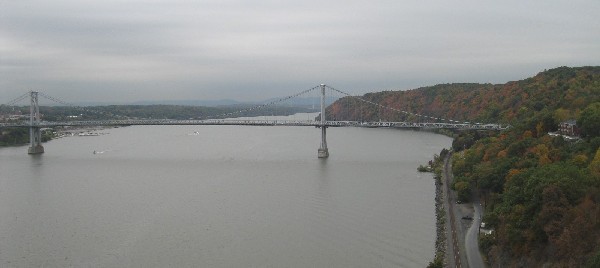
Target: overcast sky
109,50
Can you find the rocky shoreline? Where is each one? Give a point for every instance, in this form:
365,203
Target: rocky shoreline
440,215
438,166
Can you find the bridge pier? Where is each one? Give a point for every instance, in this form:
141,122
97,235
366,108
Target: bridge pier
323,152
35,133
35,141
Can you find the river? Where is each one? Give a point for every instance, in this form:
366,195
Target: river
220,196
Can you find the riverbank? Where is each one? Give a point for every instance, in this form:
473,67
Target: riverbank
437,166
80,131
440,215
449,239
18,136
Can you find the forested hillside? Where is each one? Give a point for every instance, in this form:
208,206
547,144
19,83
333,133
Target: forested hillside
541,193
570,89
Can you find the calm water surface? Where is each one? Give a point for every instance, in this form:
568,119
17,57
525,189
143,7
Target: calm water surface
230,196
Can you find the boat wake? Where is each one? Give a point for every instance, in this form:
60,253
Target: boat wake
100,152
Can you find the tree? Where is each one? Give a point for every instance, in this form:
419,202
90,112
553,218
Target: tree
589,121
464,191
561,115
595,165
436,263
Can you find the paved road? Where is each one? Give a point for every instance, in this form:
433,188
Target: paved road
471,241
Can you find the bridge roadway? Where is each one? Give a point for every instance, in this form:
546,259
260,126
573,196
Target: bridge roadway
252,122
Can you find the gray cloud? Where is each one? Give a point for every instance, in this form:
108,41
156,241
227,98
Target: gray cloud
247,50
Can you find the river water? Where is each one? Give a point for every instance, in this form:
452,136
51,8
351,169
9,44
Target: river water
226,196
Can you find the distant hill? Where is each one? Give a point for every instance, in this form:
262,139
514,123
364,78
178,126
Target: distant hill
295,102
567,88
541,192
206,103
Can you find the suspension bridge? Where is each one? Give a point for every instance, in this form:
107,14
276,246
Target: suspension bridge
35,124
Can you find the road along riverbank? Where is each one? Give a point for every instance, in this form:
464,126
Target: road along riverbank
463,219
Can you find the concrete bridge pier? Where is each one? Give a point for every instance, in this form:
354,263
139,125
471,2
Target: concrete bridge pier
35,141
323,152
35,133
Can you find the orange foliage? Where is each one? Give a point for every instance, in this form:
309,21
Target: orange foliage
511,174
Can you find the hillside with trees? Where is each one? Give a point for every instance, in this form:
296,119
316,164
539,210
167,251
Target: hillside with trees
541,192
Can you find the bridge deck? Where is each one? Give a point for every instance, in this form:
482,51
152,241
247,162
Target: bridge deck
234,122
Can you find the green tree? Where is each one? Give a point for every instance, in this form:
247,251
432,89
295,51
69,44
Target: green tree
436,263
463,190
595,165
589,121
561,115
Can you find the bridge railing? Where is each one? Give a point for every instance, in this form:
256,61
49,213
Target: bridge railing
252,122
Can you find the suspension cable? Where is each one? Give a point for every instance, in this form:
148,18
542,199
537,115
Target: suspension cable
17,99
262,106
77,107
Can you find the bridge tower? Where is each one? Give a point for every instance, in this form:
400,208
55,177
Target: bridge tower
323,152
35,133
